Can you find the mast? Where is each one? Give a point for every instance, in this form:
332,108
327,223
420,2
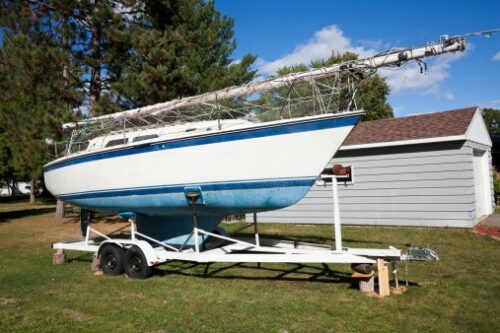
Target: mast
390,58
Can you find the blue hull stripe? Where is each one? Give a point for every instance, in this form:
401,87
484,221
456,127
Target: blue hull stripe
180,188
305,126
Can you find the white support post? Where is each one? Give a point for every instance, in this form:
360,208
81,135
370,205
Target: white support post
196,245
336,216
87,234
256,230
132,227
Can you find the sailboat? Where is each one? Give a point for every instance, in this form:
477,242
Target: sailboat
160,161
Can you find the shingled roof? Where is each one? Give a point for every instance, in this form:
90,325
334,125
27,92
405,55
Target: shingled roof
430,125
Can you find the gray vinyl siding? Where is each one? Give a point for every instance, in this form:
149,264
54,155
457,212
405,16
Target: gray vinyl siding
419,185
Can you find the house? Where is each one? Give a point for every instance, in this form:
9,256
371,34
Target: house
18,189
431,170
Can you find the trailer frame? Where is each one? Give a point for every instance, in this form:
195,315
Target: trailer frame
231,249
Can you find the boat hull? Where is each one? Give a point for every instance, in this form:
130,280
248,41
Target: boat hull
236,172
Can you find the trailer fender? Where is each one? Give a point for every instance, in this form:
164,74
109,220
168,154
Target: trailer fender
109,241
148,251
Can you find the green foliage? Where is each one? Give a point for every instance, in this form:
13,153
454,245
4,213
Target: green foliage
371,95
130,53
34,97
182,48
6,167
496,184
492,119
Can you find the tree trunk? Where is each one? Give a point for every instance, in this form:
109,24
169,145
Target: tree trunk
60,210
95,71
32,190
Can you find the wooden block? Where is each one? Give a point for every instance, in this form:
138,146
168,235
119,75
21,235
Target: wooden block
358,275
95,265
59,257
383,278
399,290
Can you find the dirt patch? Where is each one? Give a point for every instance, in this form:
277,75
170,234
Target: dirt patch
8,300
78,315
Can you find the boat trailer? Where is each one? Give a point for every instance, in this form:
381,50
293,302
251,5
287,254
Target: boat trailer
138,254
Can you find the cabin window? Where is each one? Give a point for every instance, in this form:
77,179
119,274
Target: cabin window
116,142
190,129
145,137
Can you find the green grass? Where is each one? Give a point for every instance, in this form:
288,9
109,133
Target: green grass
460,293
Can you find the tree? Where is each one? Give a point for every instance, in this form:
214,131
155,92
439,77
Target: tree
180,48
371,95
492,119
7,173
34,91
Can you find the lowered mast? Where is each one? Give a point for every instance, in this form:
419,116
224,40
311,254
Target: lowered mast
390,58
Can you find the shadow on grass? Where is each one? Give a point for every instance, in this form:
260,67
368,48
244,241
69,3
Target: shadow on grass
323,274
75,218
24,198
6,216
309,273
304,238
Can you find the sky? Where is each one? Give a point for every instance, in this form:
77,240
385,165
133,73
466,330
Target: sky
287,32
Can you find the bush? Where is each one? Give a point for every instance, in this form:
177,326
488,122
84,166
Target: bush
496,185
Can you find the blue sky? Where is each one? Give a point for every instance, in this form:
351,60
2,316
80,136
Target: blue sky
289,31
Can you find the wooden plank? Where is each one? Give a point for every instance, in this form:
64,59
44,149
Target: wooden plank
383,278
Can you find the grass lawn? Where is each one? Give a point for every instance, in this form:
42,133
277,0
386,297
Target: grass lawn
460,293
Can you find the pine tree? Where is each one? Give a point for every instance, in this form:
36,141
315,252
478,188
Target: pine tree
34,91
180,48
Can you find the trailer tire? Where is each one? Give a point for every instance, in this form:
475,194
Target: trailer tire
136,264
111,259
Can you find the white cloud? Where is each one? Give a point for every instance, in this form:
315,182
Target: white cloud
495,103
332,39
325,41
497,56
410,78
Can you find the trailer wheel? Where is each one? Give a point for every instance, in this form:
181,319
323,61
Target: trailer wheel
136,265
111,259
